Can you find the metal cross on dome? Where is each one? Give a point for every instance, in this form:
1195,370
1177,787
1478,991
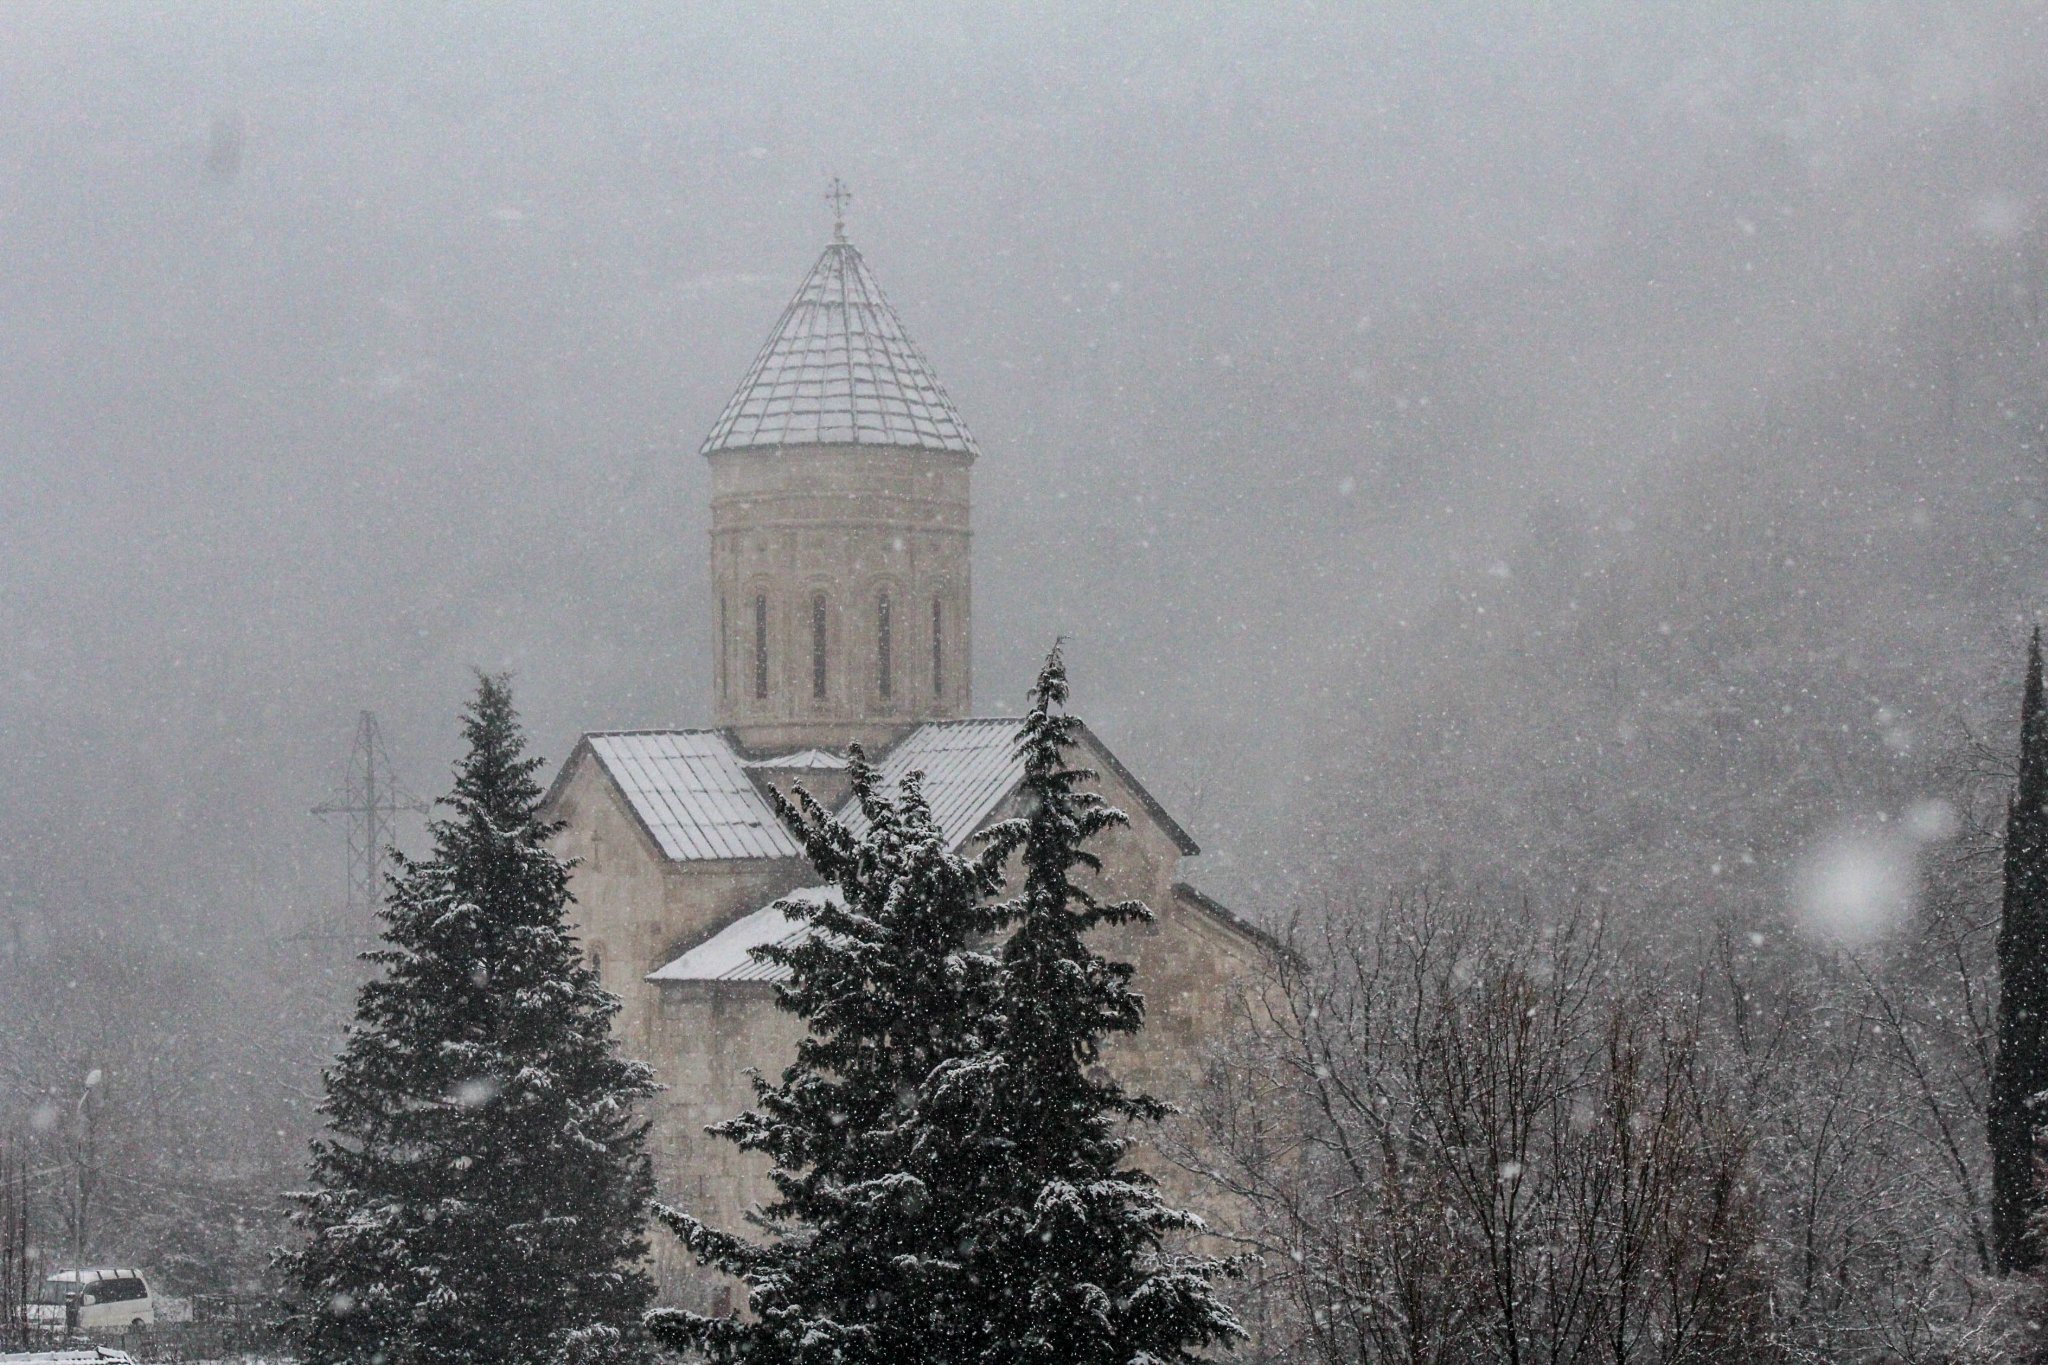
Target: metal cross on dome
838,196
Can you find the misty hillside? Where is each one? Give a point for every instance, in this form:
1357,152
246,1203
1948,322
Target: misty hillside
1777,625
1277,333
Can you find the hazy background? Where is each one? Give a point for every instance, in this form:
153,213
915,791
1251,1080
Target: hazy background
1604,438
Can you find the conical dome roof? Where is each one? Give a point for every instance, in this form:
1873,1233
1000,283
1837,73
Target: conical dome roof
839,370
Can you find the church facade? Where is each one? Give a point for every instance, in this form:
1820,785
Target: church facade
841,573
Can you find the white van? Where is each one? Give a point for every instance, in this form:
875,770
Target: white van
101,1301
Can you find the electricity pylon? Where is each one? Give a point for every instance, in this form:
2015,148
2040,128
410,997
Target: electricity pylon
371,801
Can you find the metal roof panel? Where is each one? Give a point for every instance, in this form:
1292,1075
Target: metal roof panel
728,955
969,766
688,788
840,370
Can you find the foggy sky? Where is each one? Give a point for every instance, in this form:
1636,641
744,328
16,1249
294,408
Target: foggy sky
345,348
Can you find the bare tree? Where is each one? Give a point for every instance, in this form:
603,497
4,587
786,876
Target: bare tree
17,1269
156,1130
1462,1136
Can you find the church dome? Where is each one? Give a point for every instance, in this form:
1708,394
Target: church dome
840,370
840,527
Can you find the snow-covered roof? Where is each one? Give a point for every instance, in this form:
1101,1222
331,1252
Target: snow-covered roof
691,789
969,766
840,370
688,788
803,760
728,954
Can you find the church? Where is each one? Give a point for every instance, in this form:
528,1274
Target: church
841,571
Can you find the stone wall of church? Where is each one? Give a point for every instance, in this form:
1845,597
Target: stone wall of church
1188,963
636,910
707,1035
704,1036
807,543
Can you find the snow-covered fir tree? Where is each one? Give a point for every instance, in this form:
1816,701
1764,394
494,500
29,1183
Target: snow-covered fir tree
873,1176
1074,1243
481,1190
951,1163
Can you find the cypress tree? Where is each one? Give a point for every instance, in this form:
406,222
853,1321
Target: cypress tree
872,1178
1074,1243
480,1192
2020,1068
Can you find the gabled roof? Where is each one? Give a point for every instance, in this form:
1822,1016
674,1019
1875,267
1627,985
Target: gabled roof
803,760
728,955
840,370
689,790
1217,910
969,766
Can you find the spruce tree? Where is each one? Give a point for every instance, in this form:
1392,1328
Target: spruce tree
872,1178
480,1193
1073,1243
951,1183
2020,1069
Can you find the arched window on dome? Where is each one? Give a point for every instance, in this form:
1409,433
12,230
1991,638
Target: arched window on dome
818,645
883,680
760,644
938,648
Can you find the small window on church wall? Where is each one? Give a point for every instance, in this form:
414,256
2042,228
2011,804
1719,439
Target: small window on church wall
760,644
938,648
882,642
818,645
724,649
